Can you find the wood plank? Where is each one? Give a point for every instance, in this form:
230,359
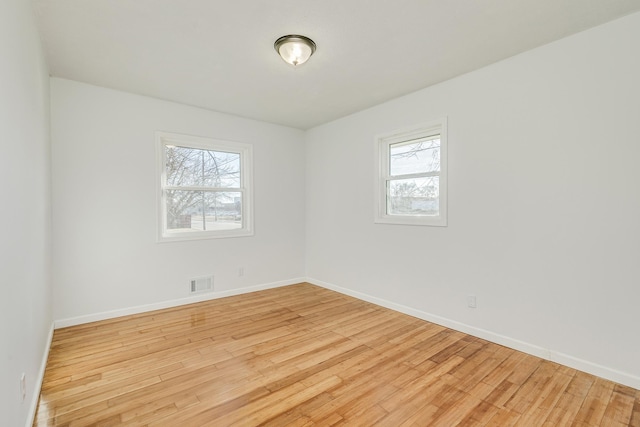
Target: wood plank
620,408
595,403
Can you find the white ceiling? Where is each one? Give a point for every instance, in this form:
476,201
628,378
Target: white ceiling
219,54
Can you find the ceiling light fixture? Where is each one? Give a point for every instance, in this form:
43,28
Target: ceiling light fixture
295,49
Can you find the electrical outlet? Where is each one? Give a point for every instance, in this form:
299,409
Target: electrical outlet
23,386
240,271
471,301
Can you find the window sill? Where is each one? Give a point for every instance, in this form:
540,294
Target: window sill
435,221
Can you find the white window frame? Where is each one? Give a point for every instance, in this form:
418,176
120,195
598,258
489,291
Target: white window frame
164,139
383,175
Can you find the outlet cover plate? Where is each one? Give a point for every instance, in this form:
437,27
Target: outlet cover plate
471,301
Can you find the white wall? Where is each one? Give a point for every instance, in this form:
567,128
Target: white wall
544,204
104,205
25,245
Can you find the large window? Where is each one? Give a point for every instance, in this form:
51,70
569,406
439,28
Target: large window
205,188
412,182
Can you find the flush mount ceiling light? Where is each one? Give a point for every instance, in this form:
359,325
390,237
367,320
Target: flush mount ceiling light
295,49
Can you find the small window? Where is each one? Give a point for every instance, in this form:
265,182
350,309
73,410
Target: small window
205,188
412,182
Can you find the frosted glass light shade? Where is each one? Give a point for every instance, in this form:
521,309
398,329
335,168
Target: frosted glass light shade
295,49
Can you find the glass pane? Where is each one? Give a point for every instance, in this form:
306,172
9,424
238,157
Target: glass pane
416,196
203,210
418,156
195,167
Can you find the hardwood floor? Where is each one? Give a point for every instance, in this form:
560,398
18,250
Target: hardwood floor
304,356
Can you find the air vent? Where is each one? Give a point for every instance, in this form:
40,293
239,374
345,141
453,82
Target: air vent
201,284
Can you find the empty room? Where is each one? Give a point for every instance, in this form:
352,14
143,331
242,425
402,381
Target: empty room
315,213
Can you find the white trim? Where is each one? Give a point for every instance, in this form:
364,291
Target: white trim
72,321
37,386
544,353
245,151
382,144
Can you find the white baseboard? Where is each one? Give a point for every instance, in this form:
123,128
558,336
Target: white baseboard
63,323
544,353
33,407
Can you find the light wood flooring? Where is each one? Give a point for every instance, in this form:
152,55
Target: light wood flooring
304,356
